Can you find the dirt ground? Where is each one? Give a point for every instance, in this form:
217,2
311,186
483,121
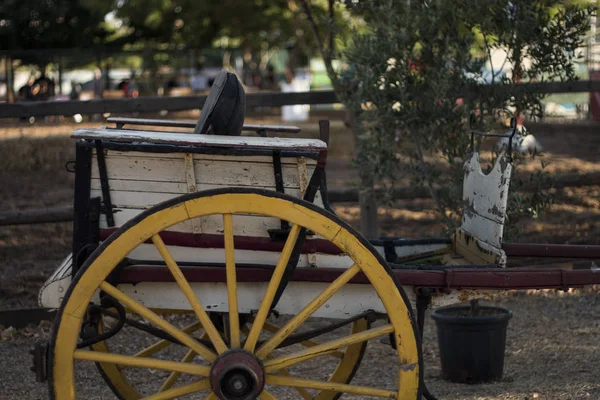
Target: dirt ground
553,349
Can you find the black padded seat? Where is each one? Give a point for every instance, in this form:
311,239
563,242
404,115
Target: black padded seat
225,108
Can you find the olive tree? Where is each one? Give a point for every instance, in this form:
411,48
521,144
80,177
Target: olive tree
418,70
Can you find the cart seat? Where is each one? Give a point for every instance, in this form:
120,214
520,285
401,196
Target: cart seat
224,110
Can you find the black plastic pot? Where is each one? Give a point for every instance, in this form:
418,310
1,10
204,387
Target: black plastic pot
472,347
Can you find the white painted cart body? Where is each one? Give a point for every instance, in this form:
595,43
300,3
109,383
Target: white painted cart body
139,180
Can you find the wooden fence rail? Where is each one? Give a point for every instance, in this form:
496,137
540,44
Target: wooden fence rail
263,99
347,195
156,103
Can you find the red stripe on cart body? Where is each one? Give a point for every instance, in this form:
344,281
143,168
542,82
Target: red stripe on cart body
493,279
552,250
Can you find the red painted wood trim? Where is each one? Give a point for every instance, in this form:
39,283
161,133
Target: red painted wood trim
212,241
551,250
495,279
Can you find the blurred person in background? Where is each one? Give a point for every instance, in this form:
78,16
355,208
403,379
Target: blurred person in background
269,81
75,91
97,83
199,81
28,91
46,88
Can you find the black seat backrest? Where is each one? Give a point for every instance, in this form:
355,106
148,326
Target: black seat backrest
224,110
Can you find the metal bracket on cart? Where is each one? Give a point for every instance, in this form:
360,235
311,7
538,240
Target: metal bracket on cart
39,352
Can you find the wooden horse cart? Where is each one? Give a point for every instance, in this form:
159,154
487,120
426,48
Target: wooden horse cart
220,258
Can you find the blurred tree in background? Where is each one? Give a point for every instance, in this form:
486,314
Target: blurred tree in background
417,73
257,28
51,24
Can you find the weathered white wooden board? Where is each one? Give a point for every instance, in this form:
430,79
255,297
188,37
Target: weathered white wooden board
243,225
143,200
234,173
184,139
139,181
483,229
486,195
409,250
206,255
352,299
205,157
485,198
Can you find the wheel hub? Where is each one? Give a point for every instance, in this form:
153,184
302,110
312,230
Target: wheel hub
237,375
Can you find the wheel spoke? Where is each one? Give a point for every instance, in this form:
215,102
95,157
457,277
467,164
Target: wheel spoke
319,350
306,312
265,395
305,395
139,362
189,356
161,344
329,386
180,391
154,318
265,305
312,343
307,343
187,290
234,321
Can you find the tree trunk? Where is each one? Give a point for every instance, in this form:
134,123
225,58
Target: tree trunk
367,199
369,226
60,75
10,93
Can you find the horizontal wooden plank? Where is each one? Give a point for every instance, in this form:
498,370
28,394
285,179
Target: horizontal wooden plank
184,139
156,103
264,99
135,174
144,200
206,157
213,296
36,216
243,225
120,122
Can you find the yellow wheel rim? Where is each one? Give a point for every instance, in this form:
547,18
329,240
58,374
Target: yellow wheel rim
301,214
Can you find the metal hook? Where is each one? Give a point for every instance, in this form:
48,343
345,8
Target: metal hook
496,112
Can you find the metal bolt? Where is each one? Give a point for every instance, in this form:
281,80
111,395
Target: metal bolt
238,384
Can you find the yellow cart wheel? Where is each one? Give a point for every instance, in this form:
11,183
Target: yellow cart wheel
349,361
237,368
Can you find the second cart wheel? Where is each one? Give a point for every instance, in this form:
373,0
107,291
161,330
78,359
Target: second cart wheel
235,366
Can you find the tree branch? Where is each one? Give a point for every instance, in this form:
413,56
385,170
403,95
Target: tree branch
331,28
322,50
314,27
427,177
489,53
